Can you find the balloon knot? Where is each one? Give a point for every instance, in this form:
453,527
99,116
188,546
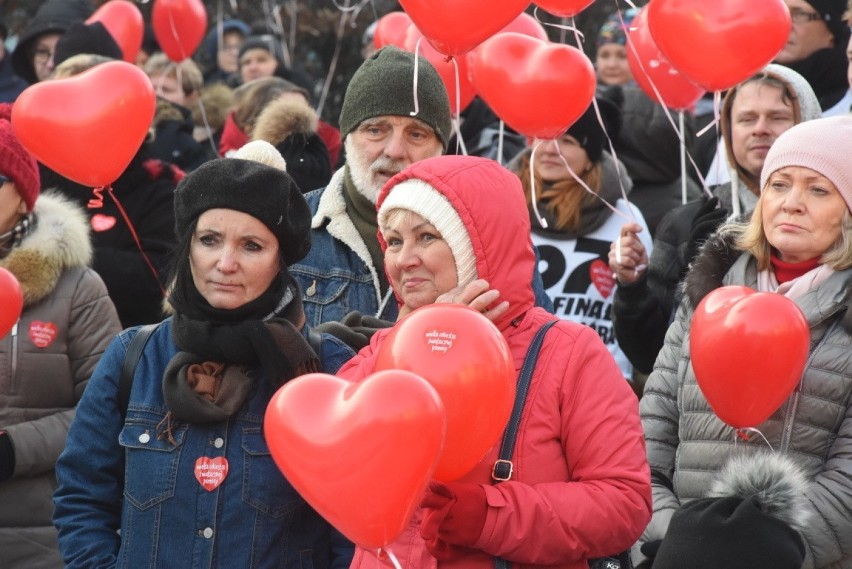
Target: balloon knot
743,435
97,200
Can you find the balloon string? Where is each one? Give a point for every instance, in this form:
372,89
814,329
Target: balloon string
416,110
97,200
500,132
136,240
745,434
176,36
681,123
275,14
332,67
534,187
564,27
457,114
347,8
659,96
392,558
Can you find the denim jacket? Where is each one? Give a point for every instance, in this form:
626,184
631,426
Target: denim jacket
129,497
337,276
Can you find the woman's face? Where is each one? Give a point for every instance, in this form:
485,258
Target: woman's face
256,64
802,213
551,168
45,47
12,205
233,257
611,64
418,261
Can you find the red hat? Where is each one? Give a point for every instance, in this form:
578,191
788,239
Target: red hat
15,162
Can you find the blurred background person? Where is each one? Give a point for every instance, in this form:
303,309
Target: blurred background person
11,84
218,54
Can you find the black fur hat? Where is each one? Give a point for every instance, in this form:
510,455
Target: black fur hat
751,520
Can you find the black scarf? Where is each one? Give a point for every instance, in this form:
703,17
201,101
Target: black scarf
825,71
223,345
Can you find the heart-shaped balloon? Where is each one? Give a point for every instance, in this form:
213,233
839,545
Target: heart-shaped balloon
564,8
466,359
11,301
124,22
391,29
459,97
718,44
538,88
360,454
748,351
454,27
179,26
527,25
652,70
87,127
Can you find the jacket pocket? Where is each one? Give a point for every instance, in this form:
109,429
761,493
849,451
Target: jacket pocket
151,463
264,487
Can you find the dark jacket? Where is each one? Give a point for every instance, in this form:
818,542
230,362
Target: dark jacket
11,85
146,193
173,141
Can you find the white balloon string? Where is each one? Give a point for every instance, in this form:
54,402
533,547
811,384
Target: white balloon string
457,115
293,10
416,110
681,123
500,132
667,113
629,3
745,434
175,35
275,14
392,558
534,188
563,27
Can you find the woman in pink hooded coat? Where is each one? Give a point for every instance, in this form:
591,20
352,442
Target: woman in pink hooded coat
456,229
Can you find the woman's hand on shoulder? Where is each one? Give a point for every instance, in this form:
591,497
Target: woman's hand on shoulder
628,258
478,295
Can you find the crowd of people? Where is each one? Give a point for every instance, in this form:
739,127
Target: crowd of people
249,242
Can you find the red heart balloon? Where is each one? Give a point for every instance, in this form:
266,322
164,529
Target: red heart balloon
360,454
11,301
466,359
564,8
748,351
179,26
527,25
455,27
87,127
651,69
124,22
391,29
718,44
446,69
538,88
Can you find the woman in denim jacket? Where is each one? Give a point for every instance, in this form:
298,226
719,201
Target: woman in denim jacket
183,477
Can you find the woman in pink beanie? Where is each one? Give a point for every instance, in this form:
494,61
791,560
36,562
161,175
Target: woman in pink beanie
46,359
798,243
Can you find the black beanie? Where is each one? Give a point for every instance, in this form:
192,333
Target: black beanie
264,192
831,12
86,38
384,85
266,42
588,132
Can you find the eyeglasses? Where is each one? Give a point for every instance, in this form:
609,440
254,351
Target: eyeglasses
802,17
42,55
4,179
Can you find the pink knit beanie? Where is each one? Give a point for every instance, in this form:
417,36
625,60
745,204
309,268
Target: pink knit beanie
15,162
823,145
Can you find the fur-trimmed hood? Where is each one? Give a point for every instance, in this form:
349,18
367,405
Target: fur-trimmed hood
282,118
60,241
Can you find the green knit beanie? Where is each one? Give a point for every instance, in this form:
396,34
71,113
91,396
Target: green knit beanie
384,85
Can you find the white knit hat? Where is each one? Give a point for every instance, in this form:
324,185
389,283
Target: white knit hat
430,204
823,145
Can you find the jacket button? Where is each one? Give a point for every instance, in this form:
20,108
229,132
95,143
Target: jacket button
219,442
144,438
207,533
312,290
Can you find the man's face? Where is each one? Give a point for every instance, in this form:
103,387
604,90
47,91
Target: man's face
382,146
759,114
229,50
808,34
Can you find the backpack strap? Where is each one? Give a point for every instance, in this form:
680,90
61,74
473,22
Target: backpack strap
128,366
503,467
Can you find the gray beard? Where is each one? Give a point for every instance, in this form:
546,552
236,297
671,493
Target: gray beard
362,172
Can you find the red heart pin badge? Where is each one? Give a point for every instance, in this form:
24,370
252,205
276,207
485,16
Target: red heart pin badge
42,334
211,472
602,278
101,222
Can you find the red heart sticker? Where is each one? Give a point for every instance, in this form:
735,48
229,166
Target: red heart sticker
210,472
101,222
601,276
42,333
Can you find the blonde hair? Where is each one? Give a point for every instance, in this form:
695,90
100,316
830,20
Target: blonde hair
76,64
187,71
751,237
565,198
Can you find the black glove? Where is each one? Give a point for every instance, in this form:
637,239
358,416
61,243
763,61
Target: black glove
649,549
355,329
706,221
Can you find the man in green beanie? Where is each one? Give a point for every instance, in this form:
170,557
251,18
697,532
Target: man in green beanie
382,135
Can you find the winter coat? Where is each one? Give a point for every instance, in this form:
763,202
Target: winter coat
688,443
580,486
45,364
146,192
117,473
173,141
10,84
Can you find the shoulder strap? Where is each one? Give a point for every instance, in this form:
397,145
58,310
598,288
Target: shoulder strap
503,467
128,366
